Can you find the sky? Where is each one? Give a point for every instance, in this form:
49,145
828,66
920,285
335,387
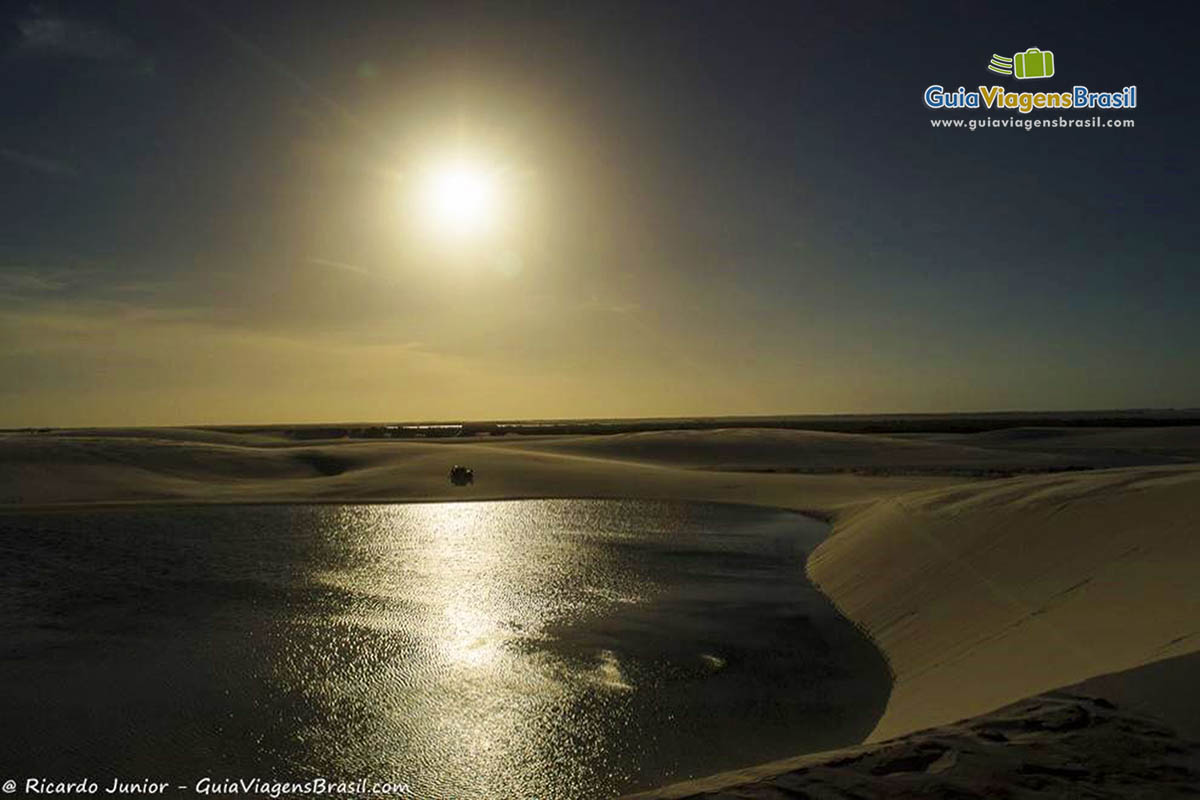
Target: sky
212,211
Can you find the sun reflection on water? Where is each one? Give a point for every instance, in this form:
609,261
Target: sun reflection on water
488,693
505,649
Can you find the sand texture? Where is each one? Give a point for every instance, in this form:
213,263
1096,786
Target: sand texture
1055,745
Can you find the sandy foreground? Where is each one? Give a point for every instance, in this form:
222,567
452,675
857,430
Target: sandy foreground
1078,566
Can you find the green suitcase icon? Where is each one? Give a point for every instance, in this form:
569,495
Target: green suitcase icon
1034,63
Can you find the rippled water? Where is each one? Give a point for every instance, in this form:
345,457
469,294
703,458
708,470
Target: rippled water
550,649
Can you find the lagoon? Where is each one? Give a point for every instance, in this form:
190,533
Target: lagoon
559,649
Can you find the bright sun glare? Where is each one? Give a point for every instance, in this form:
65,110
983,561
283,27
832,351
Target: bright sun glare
460,198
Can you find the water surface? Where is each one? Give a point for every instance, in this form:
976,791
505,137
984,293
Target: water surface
550,649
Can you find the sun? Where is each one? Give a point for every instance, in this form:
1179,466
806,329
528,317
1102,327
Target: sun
459,198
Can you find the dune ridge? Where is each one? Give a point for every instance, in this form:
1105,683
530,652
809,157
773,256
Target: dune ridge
984,594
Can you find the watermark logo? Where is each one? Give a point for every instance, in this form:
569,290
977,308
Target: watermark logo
1033,63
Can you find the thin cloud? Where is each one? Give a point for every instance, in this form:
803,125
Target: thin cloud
45,35
24,281
342,265
621,307
46,166
256,54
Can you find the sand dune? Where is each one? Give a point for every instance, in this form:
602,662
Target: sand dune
53,470
818,471
802,451
984,594
979,592
1053,745
1115,446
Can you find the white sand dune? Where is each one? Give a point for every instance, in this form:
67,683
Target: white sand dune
980,593
984,594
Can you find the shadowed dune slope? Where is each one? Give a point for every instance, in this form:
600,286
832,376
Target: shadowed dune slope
773,449
1117,447
1050,746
